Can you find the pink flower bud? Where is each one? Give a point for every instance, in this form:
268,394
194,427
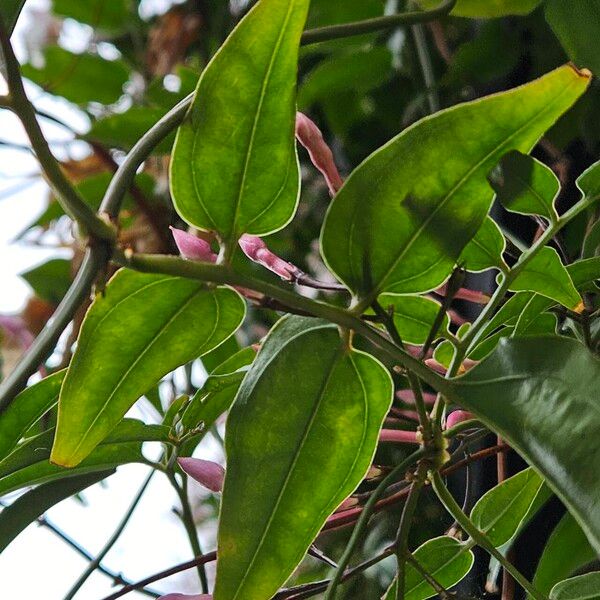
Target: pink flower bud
186,597
408,396
207,473
458,416
310,136
15,331
465,294
192,247
398,436
256,250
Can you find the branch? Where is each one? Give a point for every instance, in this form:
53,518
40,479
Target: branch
69,199
323,34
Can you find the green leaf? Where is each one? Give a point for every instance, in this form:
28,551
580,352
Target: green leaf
76,76
576,25
546,275
591,243
500,512
414,316
27,508
487,8
142,328
531,313
526,186
446,559
485,250
282,475
392,215
26,409
583,587
589,181
102,14
567,550
50,280
234,167
538,394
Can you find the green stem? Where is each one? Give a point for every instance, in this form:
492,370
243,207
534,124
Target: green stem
426,67
187,518
365,515
406,520
95,563
479,537
222,274
323,34
68,197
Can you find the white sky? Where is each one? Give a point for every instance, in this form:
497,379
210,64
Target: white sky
37,564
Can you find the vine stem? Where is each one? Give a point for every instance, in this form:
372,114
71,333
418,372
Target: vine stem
477,536
187,518
95,563
223,274
365,515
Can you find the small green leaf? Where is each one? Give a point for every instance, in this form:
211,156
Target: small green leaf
500,512
546,275
234,167
50,280
282,475
76,76
487,8
576,25
589,181
26,409
583,587
392,215
142,328
414,316
28,507
446,559
102,14
538,394
525,185
485,250
532,311
567,550
591,243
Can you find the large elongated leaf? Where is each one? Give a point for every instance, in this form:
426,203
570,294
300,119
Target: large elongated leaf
141,329
9,11
446,559
392,215
583,587
234,166
500,512
539,393
15,518
567,550
305,395
26,409
546,275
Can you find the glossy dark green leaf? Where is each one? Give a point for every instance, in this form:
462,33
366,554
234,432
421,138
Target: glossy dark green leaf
50,280
414,316
143,327
500,512
102,14
446,559
485,250
546,275
583,587
567,550
525,185
76,76
234,167
304,395
26,509
391,217
576,25
538,393
487,8
584,273
10,11
26,409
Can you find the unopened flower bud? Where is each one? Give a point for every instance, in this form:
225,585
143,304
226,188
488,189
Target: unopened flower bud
192,247
207,473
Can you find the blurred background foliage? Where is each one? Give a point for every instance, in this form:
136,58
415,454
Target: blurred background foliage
129,66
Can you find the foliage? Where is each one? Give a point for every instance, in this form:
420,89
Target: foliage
338,323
